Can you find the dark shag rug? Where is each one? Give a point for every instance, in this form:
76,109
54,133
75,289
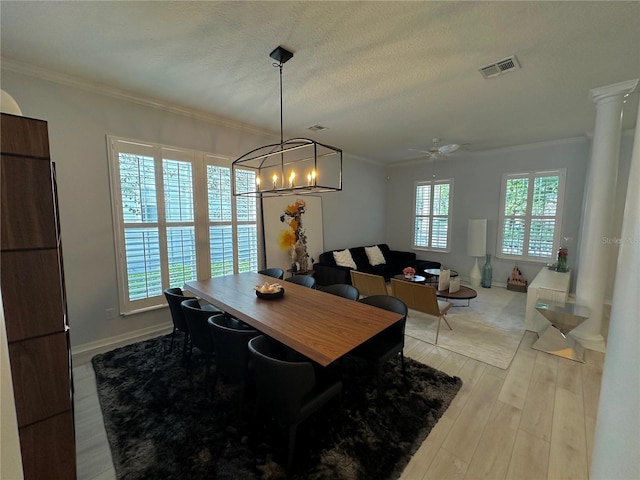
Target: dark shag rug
164,422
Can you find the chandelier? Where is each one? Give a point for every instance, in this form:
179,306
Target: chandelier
298,166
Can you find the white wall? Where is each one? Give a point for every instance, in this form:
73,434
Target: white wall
79,119
477,184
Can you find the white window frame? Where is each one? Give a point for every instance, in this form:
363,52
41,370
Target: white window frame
199,162
528,217
431,184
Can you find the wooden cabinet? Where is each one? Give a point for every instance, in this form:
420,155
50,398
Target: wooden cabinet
34,300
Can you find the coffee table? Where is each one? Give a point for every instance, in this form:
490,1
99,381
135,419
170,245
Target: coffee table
465,293
414,279
435,272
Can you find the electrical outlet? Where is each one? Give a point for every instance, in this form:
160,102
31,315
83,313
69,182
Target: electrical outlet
109,313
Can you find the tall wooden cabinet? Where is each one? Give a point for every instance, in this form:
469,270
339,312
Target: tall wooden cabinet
34,300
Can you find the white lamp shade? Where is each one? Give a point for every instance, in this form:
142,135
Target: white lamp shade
477,237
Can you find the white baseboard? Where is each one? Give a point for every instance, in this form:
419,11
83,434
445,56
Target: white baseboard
81,354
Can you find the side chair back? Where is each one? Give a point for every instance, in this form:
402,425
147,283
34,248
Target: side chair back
197,322
343,290
273,272
230,340
422,298
304,280
369,284
390,342
288,391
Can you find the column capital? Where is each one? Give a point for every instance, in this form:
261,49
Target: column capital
617,89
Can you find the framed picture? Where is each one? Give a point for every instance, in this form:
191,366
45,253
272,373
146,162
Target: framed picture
292,224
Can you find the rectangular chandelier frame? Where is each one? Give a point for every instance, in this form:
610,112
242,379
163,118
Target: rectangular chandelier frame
299,166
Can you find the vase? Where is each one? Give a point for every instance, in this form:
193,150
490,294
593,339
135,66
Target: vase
562,259
487,273
562,264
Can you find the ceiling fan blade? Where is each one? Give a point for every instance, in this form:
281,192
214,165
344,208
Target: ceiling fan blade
445,149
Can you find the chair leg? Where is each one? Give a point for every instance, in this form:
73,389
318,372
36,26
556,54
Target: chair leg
173,335
292,444
445,321
402,362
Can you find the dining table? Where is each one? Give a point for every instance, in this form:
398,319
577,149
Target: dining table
316,324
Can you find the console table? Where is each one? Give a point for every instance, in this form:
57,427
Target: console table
548,285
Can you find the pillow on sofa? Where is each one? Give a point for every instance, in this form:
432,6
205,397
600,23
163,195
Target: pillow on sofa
375,256
343,258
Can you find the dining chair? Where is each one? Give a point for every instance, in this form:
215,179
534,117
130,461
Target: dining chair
273,272
390,342
289,391
197,321
422,298
368,283
342,290
304,280
230,342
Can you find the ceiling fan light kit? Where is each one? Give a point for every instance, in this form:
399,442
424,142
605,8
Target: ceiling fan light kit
298,166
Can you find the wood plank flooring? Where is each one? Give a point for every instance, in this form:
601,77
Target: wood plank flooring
533,421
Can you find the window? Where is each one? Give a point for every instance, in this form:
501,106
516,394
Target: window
531,215
176,220
432,215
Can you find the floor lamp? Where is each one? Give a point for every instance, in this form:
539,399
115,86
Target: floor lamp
476,246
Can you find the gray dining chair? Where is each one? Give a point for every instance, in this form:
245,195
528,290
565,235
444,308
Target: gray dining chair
304,280
287,390
342,290
273,272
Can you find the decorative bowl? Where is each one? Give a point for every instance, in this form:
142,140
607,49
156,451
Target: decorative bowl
270,296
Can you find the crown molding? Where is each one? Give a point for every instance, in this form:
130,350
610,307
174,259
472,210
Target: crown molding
34,71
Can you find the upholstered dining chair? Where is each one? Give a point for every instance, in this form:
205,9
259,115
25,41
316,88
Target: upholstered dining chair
288,391
388,343
422,298
197,322
304,280
230,342
342,290
368,284
273,272
175,297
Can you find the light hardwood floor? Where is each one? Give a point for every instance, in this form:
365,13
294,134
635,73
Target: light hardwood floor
535,420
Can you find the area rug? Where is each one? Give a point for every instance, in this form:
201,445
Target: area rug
163,421
489,329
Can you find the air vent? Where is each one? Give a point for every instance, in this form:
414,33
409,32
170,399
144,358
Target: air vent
503,66
316,128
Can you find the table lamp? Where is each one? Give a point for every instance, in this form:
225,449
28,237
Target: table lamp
476,246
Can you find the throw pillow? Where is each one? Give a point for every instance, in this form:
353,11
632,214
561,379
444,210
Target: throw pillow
343,258
454,284
375,256
443,281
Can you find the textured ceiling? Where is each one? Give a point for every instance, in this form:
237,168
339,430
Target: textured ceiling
384,77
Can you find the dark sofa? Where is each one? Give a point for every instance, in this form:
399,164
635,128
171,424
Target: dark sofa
328,273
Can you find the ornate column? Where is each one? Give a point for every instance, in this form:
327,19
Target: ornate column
593,261
617,437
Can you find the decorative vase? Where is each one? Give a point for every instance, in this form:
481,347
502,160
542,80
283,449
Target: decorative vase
562,260
487,272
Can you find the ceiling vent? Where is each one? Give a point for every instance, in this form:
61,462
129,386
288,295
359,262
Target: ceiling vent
506,65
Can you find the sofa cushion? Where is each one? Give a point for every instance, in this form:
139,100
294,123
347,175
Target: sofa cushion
375,256
343,258
360,257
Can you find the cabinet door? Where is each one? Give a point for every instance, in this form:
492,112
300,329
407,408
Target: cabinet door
48,449
32,293
28,215
41,383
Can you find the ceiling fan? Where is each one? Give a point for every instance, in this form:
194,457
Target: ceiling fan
437,150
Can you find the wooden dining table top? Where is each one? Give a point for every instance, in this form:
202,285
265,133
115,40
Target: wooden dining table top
319,325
